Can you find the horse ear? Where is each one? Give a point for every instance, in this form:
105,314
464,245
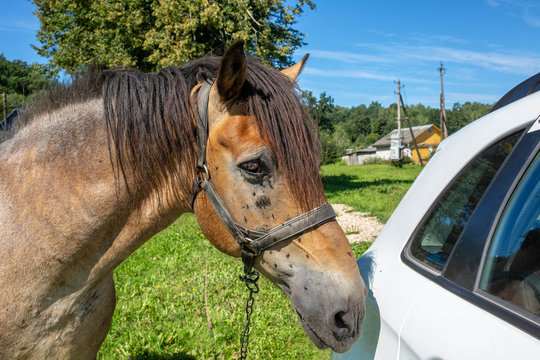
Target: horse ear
295,70
232,72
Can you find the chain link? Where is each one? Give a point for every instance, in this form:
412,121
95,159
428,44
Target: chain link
250,279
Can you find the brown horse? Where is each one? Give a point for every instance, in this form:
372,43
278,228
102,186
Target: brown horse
100,166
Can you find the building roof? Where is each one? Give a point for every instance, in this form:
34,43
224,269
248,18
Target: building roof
368,150
407,138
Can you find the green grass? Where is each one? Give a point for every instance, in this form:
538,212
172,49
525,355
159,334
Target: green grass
375,189
160,311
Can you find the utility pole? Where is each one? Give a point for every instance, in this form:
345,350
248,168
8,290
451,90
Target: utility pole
444,128
317,120
5,109
412,133
396,140
399,107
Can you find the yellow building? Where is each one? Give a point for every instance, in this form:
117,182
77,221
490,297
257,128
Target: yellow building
428,137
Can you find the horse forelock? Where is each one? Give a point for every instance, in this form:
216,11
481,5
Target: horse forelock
286,126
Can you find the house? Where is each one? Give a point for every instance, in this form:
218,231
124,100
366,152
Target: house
359,157
428,137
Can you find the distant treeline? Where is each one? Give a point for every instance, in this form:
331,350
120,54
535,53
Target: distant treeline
359,126
21,81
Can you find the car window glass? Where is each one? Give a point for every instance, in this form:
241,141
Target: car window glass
435,239
512,267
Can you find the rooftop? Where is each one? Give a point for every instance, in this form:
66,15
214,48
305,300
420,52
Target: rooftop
407,138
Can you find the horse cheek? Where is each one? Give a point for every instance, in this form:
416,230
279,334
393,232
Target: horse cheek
213,228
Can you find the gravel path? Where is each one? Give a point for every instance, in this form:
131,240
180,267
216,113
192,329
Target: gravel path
359,226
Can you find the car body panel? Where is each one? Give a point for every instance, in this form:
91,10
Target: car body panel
461,331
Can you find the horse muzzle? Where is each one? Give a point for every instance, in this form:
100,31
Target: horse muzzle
331,308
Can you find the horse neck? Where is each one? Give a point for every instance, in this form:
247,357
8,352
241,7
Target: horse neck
65,199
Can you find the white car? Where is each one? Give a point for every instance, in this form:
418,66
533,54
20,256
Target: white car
455,273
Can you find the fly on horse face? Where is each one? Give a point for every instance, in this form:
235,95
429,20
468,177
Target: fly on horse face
108,162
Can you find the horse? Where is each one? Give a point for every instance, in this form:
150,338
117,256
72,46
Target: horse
97,167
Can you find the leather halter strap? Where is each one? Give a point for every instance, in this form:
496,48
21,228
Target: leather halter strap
252,242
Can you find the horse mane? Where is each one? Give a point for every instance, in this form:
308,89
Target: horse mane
152,133
150,126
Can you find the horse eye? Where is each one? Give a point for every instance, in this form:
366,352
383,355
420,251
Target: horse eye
253,167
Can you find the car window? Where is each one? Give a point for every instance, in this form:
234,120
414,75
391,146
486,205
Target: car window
512,266
436,237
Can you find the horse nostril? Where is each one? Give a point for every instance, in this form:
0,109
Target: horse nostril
344,325
338,319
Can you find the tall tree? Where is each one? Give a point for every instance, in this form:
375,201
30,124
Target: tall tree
322,109
327,111
150,34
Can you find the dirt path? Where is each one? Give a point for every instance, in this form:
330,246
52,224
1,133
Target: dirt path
358,226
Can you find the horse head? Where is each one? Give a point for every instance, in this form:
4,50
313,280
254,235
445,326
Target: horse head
263,159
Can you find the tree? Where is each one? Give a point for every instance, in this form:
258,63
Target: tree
151,34
329,149
326,110
18,77
20,81
310,102
461,115
322,110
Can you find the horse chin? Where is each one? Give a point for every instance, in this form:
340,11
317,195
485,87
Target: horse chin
330,341
319,343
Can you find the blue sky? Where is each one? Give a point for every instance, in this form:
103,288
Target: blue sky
359,48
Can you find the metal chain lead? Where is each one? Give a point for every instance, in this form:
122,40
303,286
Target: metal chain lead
250,279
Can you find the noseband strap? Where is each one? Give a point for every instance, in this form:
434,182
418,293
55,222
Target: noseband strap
252,242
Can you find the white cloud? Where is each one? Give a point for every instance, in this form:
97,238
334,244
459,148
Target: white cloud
492,3
359,74
19,26
531,19
349,57
453,97
496,60
527,10
493,60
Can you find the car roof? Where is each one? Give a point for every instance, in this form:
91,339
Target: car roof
525,88
472,138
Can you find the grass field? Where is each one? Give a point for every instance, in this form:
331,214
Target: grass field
161,314
374,189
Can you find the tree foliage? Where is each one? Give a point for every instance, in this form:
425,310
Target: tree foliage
151,34
18,77
20,81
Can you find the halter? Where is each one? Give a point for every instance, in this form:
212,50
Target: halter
252,242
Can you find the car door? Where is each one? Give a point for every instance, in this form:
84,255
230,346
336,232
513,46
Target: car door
480,246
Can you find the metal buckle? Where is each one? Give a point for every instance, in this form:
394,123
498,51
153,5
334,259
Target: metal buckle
248,258
203,174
